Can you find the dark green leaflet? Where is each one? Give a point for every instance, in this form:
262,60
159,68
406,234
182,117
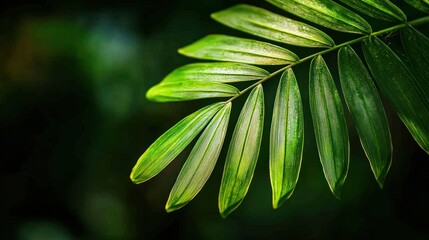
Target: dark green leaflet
416,47
286,139
422,5
380,9
367,112
403,90
329,125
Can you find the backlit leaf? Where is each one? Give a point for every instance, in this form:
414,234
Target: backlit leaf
225,72
262,23
325,13
286,139
329,125
171,143
234,49
405,93
189,90
201,161
381,9
242,153
367,112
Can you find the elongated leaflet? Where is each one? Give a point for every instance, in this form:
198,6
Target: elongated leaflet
380,9
416,47
189,90
242,50
242,153
405,93
171,143
326,13
201,161
286,139
422,5
329,125
225,72
263,23
367,111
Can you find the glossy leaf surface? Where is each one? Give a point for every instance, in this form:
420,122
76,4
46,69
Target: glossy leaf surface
242,50
326,13
201,161
242,153
329,125
286,139
171,143
380,9
367,112
263,23
189,90
405,93
225,72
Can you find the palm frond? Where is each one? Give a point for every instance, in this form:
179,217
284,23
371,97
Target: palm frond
404,83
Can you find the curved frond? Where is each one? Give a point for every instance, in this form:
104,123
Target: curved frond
380,9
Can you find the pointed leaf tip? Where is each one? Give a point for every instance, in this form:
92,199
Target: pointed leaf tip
329,124
171,143
243,153
286,139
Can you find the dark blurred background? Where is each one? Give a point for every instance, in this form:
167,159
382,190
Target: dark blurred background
74,120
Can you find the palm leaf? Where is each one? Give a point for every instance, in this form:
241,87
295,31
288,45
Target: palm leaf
405,86
242,153
286,139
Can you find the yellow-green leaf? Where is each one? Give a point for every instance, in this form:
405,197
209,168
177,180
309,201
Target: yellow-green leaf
326,13
242,50
380,9
406,94
175,91
225,72
329,125
201,161
263,23
367,111
286,139
171,143
242,153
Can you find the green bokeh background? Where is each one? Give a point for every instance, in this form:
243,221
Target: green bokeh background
74,120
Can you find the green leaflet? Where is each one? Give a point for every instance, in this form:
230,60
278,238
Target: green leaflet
189,90
380,9
242,153
286,139
201,161
416,47
401,88
325,13
262,23
422,5
329,125
227,48
171,143
367,111
216,72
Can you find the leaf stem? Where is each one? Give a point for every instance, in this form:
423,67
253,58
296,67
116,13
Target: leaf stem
415,22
